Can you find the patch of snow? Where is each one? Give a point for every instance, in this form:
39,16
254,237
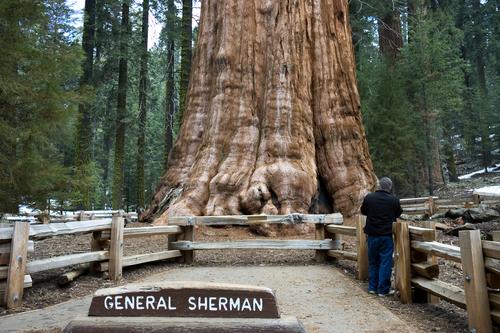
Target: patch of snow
23,209
494,168
489,191
495,152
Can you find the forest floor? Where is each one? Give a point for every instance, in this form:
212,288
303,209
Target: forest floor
442,317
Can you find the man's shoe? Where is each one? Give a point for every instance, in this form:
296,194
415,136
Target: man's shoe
373,292
389,293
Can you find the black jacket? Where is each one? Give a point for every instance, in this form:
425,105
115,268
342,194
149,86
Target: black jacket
381,209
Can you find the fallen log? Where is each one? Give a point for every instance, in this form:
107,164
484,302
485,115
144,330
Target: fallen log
70,276
339,254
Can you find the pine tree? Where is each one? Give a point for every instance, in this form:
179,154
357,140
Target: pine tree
171,16
482,105
121,110
432,60
38,82
143,89
83,166
186,37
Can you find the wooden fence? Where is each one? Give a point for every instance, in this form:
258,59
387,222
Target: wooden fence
108,236
415,257
106,252
431,205
417,272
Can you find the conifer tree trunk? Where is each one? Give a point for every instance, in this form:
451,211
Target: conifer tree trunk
390,37
143,80
469,115
431,173
272,115
170,81
186,45
84,125
479,62
121,110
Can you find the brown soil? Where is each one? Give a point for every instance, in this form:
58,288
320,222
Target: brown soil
443,317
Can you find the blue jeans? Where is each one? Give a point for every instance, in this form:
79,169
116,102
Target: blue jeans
380,249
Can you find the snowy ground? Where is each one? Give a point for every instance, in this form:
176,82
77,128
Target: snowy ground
488,191
495,168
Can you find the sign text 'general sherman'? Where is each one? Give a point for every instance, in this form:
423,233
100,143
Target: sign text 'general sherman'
182,300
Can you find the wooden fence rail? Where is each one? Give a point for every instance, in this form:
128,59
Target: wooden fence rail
416,253
432,205
417,273
109,235
106,251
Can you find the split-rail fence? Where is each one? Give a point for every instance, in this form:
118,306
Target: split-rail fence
415,256
432,205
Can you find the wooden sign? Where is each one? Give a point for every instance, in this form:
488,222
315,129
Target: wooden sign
185,299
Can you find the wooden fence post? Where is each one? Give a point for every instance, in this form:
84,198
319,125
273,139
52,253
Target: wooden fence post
189,236
403,262
319,234
17,265
432,206
476,292
432,299
362,247
116,247
476,199
97,243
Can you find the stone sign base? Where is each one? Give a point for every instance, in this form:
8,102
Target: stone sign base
185,306
285,324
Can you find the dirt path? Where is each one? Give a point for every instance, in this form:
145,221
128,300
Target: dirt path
323,298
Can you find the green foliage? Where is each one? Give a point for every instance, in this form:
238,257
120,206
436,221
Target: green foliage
438,94
432,61
423,107
39,64
86,185
389,125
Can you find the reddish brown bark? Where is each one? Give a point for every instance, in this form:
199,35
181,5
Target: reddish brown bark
390,38
272,112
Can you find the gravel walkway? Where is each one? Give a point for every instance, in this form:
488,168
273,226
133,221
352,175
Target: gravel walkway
323,298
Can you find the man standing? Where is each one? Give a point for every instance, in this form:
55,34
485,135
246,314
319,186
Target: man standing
382,209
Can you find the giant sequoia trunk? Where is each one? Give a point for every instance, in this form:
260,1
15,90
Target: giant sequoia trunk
272,116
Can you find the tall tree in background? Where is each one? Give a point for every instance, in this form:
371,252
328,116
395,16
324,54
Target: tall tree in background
482,105
473,20
171,16
419,97
40,65
84,125
143,88
493,10
390,38
121,109
432,60
186,46
389,126
272,115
